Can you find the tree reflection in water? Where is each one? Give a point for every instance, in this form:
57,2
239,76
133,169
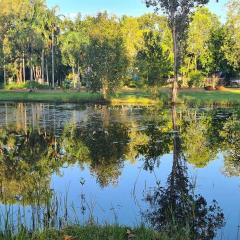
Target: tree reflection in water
175,208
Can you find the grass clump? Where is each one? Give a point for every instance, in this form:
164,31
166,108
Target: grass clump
89,232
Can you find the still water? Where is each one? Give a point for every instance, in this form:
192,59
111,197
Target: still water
122,164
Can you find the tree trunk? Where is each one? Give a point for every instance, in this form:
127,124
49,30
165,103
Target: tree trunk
4,71
42,60
78,75
175,81
23,68
53,67
20,73
73,78
31,70
47,73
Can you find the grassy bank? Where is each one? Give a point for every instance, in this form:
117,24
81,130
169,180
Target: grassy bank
51,96
227,97
197,97
87,233
134,97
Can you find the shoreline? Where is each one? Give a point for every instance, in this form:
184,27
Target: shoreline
125,97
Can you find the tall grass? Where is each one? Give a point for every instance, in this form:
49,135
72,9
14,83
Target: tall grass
56,220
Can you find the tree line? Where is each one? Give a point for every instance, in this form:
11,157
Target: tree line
104,52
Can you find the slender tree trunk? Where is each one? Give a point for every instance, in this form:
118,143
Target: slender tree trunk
74,78
53,67
47,73
23,68
42,60
31,70
175,81
79,76
195,62
20,73
4,71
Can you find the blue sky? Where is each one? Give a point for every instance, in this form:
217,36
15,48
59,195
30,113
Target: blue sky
119,7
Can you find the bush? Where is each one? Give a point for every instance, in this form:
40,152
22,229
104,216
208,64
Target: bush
196,79
66,84
34,84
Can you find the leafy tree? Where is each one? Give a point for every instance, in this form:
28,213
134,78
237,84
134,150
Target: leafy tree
73,49
200,31
106,56
178,14
154,64
231,45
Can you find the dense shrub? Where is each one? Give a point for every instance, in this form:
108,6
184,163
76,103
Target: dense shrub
27,85
196,79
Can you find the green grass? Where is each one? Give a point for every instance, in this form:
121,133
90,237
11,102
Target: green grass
133,96
87,233
51,96
127,96
201,97
211,97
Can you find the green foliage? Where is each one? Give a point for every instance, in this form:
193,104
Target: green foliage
231,44
199,56
27,85
105,52
196,79
154,64
106,57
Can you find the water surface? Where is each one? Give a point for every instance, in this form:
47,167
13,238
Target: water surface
121,164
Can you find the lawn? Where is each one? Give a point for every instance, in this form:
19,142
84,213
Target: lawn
126,96
133,96
202,97
51,96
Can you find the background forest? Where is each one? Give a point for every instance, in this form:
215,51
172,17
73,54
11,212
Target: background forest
39,47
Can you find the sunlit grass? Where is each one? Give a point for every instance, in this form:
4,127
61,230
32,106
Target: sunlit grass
133,97
226,97
127,97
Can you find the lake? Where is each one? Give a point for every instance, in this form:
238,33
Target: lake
121,164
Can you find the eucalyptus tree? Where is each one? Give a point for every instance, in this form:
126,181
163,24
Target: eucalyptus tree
178,14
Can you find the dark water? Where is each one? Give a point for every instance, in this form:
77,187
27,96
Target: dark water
126,165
